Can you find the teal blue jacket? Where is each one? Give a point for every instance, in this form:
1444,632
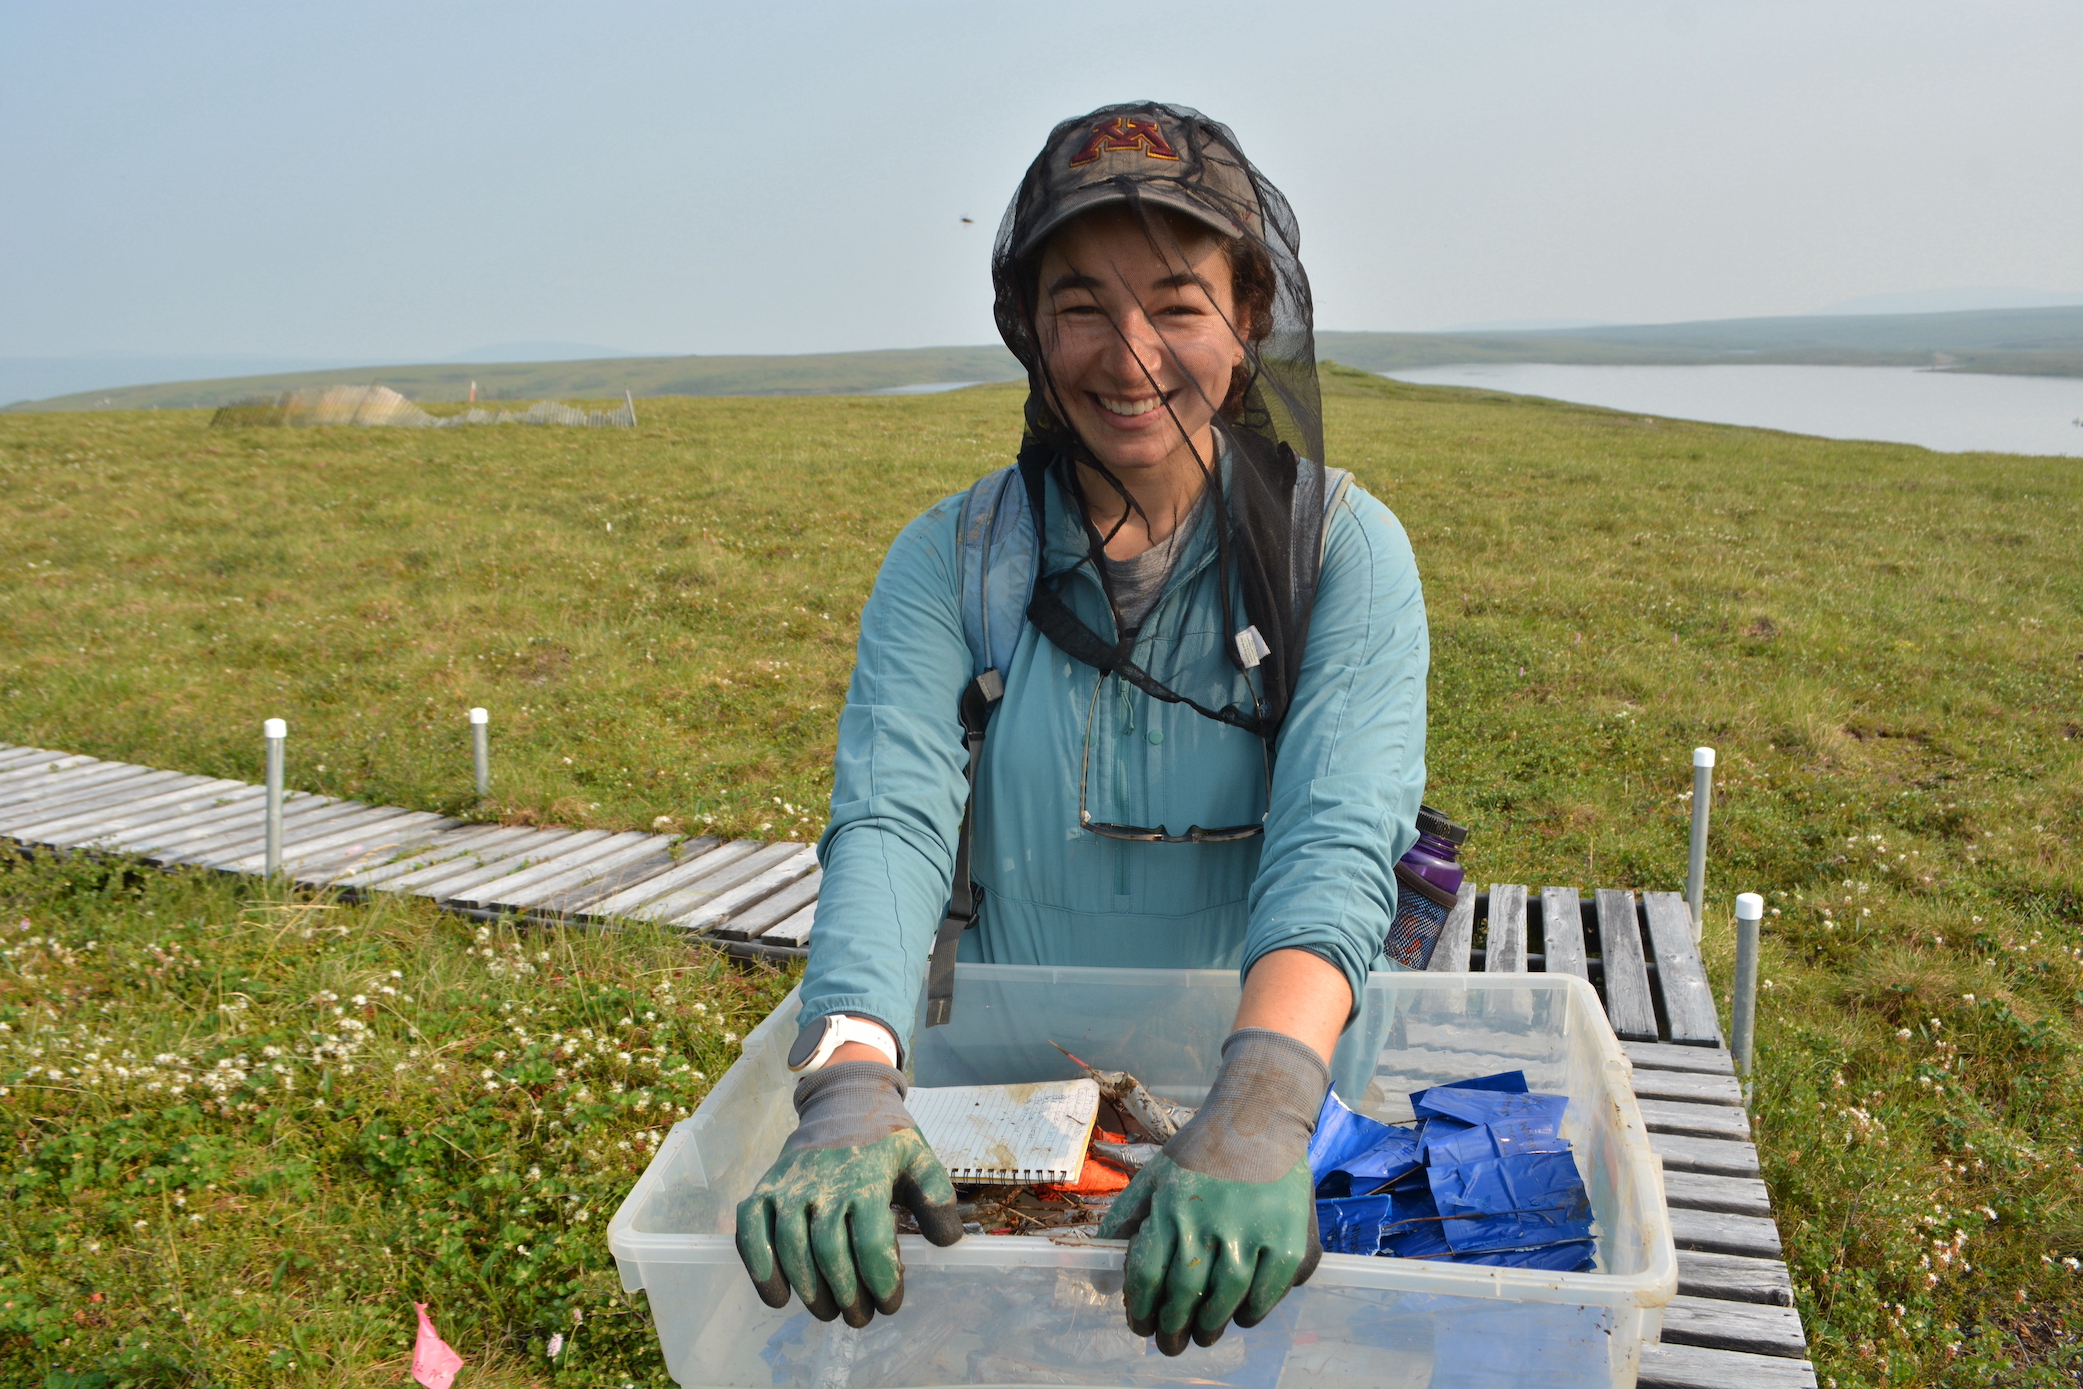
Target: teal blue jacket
1345,779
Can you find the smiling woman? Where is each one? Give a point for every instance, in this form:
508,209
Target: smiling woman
1166,541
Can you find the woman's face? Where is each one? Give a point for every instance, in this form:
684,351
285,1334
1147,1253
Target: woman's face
1138,336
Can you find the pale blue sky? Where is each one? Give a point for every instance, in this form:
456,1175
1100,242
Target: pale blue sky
407,182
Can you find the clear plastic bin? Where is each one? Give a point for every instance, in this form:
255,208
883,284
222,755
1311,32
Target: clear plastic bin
1035,1310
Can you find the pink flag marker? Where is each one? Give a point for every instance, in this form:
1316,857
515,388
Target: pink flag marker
434,1361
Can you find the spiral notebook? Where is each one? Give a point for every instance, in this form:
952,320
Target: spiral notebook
1011,1134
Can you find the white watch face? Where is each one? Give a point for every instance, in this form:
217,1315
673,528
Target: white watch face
810,1047
816,1043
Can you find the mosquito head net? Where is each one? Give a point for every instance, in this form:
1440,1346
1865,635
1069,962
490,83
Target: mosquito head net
1149,279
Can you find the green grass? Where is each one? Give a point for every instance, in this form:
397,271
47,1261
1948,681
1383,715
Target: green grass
246,1135
1885,645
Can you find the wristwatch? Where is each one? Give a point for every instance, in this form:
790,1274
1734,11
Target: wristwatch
818,1040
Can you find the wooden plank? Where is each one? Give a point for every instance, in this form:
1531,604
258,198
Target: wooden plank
1698,1367
676,905
448,848
1688,1087
82,826
235,809
508,855
1701,1191
154,825
374,842
1506,951
49,766
689,871
447,882
50,787
566,903
718,909
526,889
326,870
46,801
22,781
1734,1278
1696,1120
1688,1001
1562,931
719,916
13,758
794,931
238,837
1715,1156
33,760
753,921
1627,979
1450,953
1744,1326
578,900
1660,1056
1755,1237
27,821
237,818
309,839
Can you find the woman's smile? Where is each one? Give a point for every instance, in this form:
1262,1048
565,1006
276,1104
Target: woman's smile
1131,408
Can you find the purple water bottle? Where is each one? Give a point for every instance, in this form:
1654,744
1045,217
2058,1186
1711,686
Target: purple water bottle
1427,880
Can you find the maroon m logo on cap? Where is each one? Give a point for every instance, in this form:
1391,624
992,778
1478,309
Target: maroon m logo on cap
1123,135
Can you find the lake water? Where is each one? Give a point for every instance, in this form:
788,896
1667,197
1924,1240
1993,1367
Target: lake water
1954,412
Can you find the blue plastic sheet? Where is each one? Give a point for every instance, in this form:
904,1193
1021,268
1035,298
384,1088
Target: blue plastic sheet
1351,1154
1511,1203
1468,1125
1506,1082
1486,1177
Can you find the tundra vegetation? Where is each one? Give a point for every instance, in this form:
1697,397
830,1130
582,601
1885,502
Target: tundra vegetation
246,1131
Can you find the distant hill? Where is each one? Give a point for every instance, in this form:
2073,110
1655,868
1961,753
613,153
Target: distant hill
824,373
2022,342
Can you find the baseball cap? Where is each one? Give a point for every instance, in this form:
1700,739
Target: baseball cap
1147,152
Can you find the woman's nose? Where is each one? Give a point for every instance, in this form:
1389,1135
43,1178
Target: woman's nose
1138,353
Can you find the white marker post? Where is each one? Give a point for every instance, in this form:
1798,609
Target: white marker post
277,733
481,750
1743,1007
1696,865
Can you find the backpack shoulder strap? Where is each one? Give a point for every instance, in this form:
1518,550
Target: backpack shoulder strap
1337,482
998,553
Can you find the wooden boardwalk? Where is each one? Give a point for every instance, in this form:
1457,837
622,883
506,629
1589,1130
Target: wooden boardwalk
1732,1325
750,898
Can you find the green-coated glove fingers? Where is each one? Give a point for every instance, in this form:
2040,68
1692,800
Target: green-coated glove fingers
819,1223
756,1249
1203,1250
923,1188
1228,1283
1273,1279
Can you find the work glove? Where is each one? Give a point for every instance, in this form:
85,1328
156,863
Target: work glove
819,1221
1223,1222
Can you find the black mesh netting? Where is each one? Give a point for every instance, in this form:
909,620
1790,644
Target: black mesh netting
1140,217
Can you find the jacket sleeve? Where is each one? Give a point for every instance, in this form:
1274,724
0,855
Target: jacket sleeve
1349,769
898,790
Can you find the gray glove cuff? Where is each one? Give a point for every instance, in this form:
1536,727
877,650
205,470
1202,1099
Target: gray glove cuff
1256,1123
849,1104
